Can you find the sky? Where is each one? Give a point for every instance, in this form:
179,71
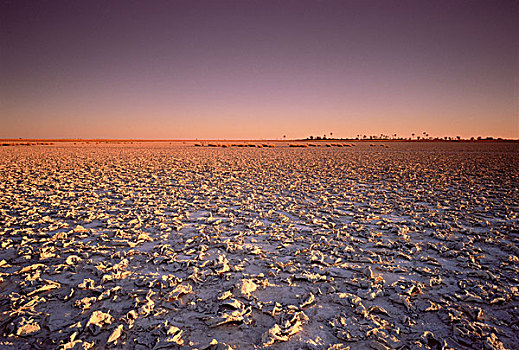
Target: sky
258,69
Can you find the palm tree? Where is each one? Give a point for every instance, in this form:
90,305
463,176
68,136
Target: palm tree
412,135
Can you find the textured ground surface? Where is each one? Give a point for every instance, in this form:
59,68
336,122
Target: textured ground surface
164,246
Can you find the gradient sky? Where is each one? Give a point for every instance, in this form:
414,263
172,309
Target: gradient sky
258,69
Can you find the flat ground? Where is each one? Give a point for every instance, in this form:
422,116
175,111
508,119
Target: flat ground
169,245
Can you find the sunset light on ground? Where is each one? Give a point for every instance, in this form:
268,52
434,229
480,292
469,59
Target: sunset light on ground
259,174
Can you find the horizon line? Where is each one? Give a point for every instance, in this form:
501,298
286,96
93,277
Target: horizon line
472,139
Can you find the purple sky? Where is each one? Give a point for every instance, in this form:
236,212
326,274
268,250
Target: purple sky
258,69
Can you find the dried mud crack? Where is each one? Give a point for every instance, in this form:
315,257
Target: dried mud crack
173,246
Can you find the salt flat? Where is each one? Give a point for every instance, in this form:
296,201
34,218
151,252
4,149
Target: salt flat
165,245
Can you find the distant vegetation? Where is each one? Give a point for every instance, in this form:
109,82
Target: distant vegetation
225,145
395,137
6,144
316,141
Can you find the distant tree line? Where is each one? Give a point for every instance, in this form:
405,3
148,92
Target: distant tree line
424,136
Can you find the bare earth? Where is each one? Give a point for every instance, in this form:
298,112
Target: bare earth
155,246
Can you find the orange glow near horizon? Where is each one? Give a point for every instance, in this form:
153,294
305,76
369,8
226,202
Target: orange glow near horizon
258,70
